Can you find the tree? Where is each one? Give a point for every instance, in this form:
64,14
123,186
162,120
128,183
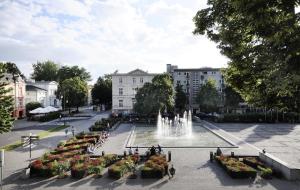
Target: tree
31,106
102,91
47,71
6,104
180,98
74,92
155,96
66,72
232,98
208,97
12,68
261,39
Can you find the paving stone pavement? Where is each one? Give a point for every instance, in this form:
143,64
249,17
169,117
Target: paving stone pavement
193,169
280,140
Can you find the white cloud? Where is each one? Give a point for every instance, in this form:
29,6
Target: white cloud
103,36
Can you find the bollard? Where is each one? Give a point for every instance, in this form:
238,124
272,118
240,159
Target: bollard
169,156
103,153
211,156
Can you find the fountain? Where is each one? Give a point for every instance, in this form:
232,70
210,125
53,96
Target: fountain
179,127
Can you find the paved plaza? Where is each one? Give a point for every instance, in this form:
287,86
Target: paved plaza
280,140
193,169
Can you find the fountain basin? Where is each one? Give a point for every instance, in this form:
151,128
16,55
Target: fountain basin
145,136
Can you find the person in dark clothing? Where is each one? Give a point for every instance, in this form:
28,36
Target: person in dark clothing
152,151
219,152
159,149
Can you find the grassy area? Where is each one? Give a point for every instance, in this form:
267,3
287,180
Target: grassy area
41,135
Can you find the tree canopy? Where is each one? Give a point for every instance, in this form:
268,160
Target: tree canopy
12,68
208,97
66,72
6,104
102,91
232,98
180,98
47,71
155,96
261,39
74,92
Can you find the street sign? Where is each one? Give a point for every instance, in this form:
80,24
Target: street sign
2,158
28,141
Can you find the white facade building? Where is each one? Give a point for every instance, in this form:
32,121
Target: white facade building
124,88
35,94
50,87
192,79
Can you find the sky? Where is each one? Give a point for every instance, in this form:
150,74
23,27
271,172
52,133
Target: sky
105,35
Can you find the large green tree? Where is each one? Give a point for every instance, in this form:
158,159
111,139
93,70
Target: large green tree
180,98
66,72
6,104
102,91
47,71
208,97
232,98
13,69
261,39
155,96
74,92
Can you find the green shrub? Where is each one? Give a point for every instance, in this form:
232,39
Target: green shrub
265,172
235,168
79,171
49,116
155,167
118,169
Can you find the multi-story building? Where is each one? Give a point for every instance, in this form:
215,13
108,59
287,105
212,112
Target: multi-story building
124,88
35,94
17,84
192,79
50,87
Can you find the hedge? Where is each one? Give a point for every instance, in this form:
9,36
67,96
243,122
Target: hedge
259,117
155,167
120,168
235,168
70,155
102,125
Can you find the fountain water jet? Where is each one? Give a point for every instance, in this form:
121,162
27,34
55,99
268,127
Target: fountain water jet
180,127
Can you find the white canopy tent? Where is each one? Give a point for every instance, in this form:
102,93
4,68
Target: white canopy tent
37,110
41,110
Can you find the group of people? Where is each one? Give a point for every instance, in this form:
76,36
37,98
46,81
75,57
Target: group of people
154,150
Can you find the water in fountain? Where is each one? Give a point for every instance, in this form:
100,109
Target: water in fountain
180,127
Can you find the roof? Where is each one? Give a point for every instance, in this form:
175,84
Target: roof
199,69
136,72
33,88
45,82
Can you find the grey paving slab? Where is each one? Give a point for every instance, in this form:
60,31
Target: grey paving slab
193,169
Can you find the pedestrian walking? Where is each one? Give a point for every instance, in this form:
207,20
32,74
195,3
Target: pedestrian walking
73,131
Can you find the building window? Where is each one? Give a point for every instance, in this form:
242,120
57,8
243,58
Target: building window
120,91
120,103
178,82
205,72
141,80
133,80
133,101
120,80
179,73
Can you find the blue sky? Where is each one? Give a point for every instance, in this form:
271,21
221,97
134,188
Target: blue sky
105,35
